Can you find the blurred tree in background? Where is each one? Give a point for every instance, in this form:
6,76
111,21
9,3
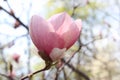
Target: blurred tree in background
95,55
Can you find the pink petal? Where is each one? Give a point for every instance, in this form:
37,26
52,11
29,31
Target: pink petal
39,29
60,20
53,41
72,34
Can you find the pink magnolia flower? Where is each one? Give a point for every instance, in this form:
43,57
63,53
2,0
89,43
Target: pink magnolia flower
55,35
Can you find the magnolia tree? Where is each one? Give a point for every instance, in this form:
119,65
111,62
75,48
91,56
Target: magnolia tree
59,40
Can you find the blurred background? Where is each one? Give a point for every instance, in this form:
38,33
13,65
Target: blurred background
96,53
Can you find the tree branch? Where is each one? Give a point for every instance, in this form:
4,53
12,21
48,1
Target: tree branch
77,71
4,75
15,18
32,74
8,77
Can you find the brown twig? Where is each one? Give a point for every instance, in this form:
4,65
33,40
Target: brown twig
80,45
15,18
1,74
57,74
95,39
74,8
7,44
32,74
77,71
8,4
65,76
6,76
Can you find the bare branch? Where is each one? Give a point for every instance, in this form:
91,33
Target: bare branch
32,74
7,76
4,75
15,18
77,71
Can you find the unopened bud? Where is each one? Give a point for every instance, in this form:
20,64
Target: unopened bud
11,12
16,24
16,57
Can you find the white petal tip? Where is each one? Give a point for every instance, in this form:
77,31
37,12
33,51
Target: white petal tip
57,53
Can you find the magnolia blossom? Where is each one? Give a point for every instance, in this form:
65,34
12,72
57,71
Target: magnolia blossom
55,35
